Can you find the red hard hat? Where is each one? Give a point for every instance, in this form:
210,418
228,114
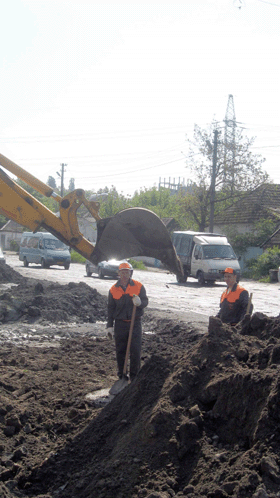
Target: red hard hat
230,270
125,266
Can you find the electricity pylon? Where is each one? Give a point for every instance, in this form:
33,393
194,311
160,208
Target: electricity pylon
229,144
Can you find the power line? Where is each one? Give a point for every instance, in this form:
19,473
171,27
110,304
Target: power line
269,3
264,146
130,171
97,135
102,156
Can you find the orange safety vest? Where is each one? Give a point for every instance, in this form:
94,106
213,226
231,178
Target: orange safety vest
117,291
120,301
233,305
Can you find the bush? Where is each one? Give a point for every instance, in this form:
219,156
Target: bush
259,267
14,246
77,258
137,265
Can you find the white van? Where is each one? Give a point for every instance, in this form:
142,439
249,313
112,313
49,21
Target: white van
204,256
45,249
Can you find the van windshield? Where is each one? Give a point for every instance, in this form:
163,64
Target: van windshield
218,252
55,245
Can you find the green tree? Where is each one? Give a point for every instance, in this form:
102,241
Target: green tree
49,202
242,241
3,220
232,181
71,184
111,202
51,182
259,267
162,202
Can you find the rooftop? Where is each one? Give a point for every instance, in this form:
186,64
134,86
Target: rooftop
264,200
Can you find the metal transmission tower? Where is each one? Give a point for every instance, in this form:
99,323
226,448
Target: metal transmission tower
229,143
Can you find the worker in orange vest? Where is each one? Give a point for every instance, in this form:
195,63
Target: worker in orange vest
234,300
125,293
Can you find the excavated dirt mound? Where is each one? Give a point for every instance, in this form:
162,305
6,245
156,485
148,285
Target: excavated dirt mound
200,420
8,275
44,302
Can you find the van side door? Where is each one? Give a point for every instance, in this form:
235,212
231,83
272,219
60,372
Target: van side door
196,262
34,256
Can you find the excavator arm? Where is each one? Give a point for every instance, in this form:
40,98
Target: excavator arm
131,232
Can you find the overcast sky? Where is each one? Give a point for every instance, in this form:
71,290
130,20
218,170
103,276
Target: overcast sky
112,88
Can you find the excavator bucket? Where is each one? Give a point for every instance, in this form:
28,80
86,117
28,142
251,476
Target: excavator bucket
135,232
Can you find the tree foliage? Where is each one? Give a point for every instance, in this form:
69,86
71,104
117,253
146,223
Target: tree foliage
51,182
71,184
259,267
232,179
242,241
161,202
111,202
49,202
3,220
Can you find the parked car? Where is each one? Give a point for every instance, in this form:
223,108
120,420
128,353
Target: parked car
104,268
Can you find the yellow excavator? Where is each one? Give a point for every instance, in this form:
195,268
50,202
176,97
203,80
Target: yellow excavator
131,232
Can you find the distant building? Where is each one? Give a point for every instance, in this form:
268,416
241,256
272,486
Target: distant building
87,227
170,224
273,240
10,231
262,203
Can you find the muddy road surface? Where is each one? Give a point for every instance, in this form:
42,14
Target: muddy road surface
189,300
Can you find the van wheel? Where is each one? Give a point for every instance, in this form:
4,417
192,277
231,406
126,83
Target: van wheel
43,263
200,278
67,266
25,262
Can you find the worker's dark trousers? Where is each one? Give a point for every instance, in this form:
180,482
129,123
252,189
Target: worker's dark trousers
121,338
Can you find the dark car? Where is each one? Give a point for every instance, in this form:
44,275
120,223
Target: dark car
104,269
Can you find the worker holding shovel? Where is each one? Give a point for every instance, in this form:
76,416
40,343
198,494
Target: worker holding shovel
126,302
235,302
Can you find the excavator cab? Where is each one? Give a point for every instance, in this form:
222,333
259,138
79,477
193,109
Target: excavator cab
131,232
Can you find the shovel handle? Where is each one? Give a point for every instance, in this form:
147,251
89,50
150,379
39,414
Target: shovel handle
249,303
129,339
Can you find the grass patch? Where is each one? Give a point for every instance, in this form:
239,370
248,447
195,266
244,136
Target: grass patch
265,280
137,265
77,258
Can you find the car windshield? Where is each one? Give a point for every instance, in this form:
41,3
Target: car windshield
55,245
218,252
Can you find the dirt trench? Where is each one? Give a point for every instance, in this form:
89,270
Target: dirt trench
201,419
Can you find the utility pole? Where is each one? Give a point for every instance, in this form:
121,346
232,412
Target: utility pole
61,175
213,182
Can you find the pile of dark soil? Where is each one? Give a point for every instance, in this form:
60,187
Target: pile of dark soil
200,420
44,302
9,275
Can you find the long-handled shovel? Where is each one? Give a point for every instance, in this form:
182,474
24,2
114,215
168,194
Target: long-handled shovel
249,304
122,383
